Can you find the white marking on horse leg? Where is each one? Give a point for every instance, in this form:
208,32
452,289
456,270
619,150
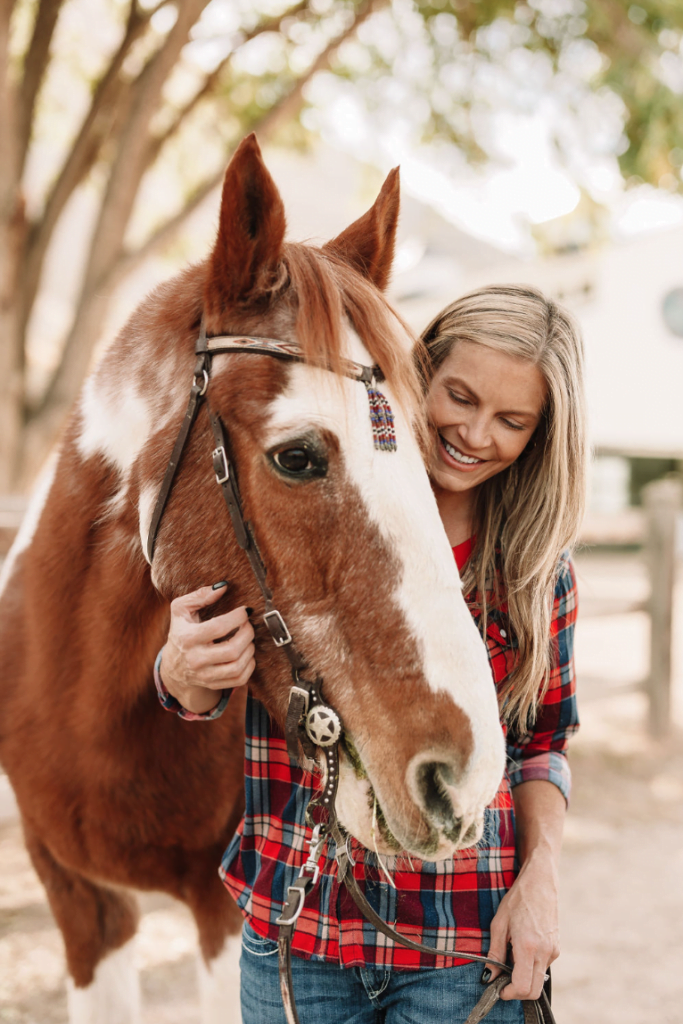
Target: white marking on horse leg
114,995
29,523
219,985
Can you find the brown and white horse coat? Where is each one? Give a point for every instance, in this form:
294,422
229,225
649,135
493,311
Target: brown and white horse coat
114,793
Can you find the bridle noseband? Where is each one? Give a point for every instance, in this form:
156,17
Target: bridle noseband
311,724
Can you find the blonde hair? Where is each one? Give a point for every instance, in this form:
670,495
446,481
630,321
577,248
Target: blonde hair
529,514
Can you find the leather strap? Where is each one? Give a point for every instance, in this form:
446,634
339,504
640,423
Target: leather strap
536,1011
205,348
347,877
197,392
227,478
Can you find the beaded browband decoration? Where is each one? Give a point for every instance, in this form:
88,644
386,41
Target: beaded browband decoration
381,415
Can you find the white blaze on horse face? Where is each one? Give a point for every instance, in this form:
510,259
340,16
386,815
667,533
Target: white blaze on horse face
398,498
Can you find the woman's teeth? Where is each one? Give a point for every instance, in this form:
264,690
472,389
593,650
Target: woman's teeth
458,456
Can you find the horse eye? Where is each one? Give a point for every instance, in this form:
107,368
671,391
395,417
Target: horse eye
293,460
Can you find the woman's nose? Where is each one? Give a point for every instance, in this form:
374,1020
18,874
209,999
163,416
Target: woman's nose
476,432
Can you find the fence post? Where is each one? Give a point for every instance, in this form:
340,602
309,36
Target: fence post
662,500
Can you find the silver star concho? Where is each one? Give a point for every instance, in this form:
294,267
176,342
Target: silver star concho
323,726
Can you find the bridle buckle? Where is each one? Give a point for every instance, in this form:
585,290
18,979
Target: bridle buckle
292,913
220,465
277,627
302,693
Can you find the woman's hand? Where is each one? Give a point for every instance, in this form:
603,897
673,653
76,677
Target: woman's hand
202,658
527,917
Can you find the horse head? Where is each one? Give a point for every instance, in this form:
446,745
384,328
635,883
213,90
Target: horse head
355,551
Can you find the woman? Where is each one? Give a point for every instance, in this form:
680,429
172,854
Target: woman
505,396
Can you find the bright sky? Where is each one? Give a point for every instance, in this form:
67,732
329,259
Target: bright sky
499,203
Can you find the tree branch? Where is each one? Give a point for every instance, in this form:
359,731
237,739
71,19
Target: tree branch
265,126
106,248
208,85
117,203
107,110
92,131
35,66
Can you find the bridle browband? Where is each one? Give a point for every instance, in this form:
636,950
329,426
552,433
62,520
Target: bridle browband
311,724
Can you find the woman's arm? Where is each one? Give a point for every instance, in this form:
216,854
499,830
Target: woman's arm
528,914
540,779
201,659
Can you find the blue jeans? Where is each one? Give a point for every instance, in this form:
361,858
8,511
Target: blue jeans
326,992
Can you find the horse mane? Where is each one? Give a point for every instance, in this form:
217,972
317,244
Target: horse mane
327,291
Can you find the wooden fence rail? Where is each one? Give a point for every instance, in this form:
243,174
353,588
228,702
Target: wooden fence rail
663,500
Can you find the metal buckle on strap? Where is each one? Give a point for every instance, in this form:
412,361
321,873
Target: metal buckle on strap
303,693
204,376
277,627
289,915
220,465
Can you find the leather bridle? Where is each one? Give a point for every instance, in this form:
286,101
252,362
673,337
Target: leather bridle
311,725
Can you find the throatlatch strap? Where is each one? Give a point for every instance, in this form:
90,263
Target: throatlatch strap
197,392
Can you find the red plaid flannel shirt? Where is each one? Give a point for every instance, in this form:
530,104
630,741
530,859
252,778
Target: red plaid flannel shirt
440,904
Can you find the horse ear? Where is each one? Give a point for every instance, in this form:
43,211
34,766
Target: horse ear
368,243
251,230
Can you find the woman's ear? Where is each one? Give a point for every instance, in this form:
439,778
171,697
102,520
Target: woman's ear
368,243
251,231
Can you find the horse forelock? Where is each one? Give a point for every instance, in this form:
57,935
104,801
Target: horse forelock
329,294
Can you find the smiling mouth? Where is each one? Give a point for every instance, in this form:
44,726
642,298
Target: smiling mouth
455,453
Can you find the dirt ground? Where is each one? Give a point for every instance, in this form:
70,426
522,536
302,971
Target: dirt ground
622,868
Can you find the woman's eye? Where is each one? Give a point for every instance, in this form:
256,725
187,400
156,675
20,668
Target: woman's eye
458,398
293,460
513,426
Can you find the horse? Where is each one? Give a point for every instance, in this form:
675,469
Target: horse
116,794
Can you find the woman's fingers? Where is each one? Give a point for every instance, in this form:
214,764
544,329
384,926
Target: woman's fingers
215,654
202,656
528,976
499,945
202,660
234,673
192,633
189,605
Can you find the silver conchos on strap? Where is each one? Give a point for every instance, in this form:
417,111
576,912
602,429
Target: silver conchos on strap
323,726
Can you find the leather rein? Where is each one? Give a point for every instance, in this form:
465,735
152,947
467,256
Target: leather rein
312,726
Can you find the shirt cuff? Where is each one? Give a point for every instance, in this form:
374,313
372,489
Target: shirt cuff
549,766
171,704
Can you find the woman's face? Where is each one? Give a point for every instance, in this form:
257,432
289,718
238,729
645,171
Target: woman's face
485,405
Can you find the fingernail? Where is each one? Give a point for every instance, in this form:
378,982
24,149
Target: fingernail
217,586
249,611
486,976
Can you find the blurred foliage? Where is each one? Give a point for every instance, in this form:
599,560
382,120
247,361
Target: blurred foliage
140,103
629,54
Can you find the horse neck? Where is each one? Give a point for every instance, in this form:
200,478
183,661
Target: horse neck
86,585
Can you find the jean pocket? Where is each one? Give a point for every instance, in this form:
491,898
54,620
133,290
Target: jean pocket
255,944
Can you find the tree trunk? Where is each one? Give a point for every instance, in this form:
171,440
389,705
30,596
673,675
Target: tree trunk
12,243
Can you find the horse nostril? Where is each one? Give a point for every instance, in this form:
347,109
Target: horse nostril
432,782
